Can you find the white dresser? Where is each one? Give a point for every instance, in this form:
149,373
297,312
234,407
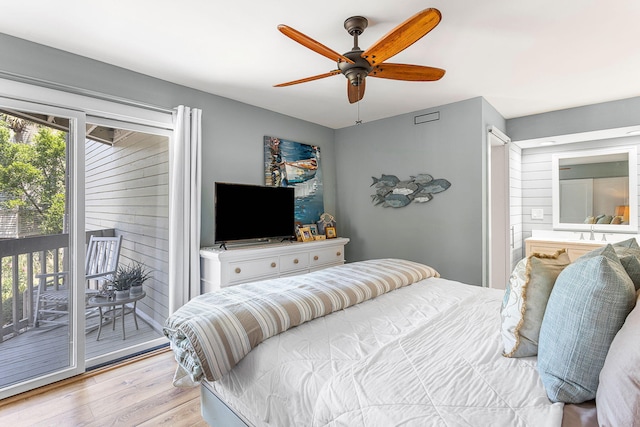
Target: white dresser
220,268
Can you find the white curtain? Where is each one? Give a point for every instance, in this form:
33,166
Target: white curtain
184,207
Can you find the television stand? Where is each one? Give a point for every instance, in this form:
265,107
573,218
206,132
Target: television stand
220,268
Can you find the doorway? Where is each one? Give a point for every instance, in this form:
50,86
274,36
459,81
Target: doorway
127,195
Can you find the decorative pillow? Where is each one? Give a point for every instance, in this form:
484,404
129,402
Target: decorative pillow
631,264
605,219
525,300
629,243
618,395
587,306
629,253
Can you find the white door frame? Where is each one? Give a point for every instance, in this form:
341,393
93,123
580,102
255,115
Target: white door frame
496,237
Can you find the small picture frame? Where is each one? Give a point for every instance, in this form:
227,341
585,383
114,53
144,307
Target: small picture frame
330,232
313,228
320,237
298,225
305,234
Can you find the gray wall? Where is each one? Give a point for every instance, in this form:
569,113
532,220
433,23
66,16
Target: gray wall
232,132
606,115
445,232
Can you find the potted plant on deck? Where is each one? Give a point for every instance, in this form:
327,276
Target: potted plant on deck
128,280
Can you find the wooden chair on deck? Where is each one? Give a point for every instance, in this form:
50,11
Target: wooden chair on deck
52,295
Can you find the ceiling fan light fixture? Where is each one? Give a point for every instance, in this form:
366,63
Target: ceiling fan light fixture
356,76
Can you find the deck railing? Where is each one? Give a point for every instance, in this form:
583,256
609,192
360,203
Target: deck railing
24,259
29,256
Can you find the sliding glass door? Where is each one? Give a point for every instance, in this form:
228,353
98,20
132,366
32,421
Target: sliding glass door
73,166
41,241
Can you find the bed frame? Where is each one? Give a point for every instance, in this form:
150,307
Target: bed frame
217,413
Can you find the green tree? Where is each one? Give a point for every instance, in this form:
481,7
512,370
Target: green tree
32,175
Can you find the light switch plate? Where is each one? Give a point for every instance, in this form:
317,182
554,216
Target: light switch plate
537,213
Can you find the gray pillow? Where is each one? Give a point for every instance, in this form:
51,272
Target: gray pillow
587,306
629,243
631,264
629,253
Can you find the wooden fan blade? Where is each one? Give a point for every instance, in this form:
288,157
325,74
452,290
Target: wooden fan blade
309,79
403,36
310,43
355,93
416,73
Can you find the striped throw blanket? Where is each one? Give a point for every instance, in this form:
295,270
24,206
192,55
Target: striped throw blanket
213,332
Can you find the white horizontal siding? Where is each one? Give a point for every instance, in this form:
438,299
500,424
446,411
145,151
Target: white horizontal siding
515,203
127,189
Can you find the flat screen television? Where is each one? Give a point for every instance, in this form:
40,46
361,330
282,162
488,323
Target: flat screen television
253,212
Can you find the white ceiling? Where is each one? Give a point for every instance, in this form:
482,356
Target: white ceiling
523,56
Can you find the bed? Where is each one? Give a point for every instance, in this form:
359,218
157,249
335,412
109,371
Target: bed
374,343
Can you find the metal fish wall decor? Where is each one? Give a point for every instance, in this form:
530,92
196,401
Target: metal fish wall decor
391,192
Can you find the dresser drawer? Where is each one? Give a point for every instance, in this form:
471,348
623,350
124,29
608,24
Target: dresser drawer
326,256
293,262
574,249
245,271
222,267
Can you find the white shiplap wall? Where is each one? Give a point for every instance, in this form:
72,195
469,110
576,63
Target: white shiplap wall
515,203
127,189
536,178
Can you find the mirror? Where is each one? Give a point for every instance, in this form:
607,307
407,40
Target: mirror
595,188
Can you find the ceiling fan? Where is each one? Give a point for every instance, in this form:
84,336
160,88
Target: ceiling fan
357,64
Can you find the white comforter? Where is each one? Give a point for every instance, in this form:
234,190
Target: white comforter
425,355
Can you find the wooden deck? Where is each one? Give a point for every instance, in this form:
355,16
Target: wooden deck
46,349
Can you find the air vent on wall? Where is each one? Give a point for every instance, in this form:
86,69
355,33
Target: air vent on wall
426,118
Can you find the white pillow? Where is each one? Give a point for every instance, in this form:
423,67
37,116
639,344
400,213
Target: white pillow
618,394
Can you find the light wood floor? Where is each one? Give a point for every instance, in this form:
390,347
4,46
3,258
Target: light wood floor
136,393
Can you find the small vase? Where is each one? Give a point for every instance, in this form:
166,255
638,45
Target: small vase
120,295
134,291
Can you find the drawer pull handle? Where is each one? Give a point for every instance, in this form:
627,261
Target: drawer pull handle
315,258
273,265
338,253
238,270
295,261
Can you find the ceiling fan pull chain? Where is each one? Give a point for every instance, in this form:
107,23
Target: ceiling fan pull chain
358,121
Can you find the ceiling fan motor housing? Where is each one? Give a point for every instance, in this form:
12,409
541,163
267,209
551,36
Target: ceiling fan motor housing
357,71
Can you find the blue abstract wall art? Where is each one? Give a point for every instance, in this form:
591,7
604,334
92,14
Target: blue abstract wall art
297,165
